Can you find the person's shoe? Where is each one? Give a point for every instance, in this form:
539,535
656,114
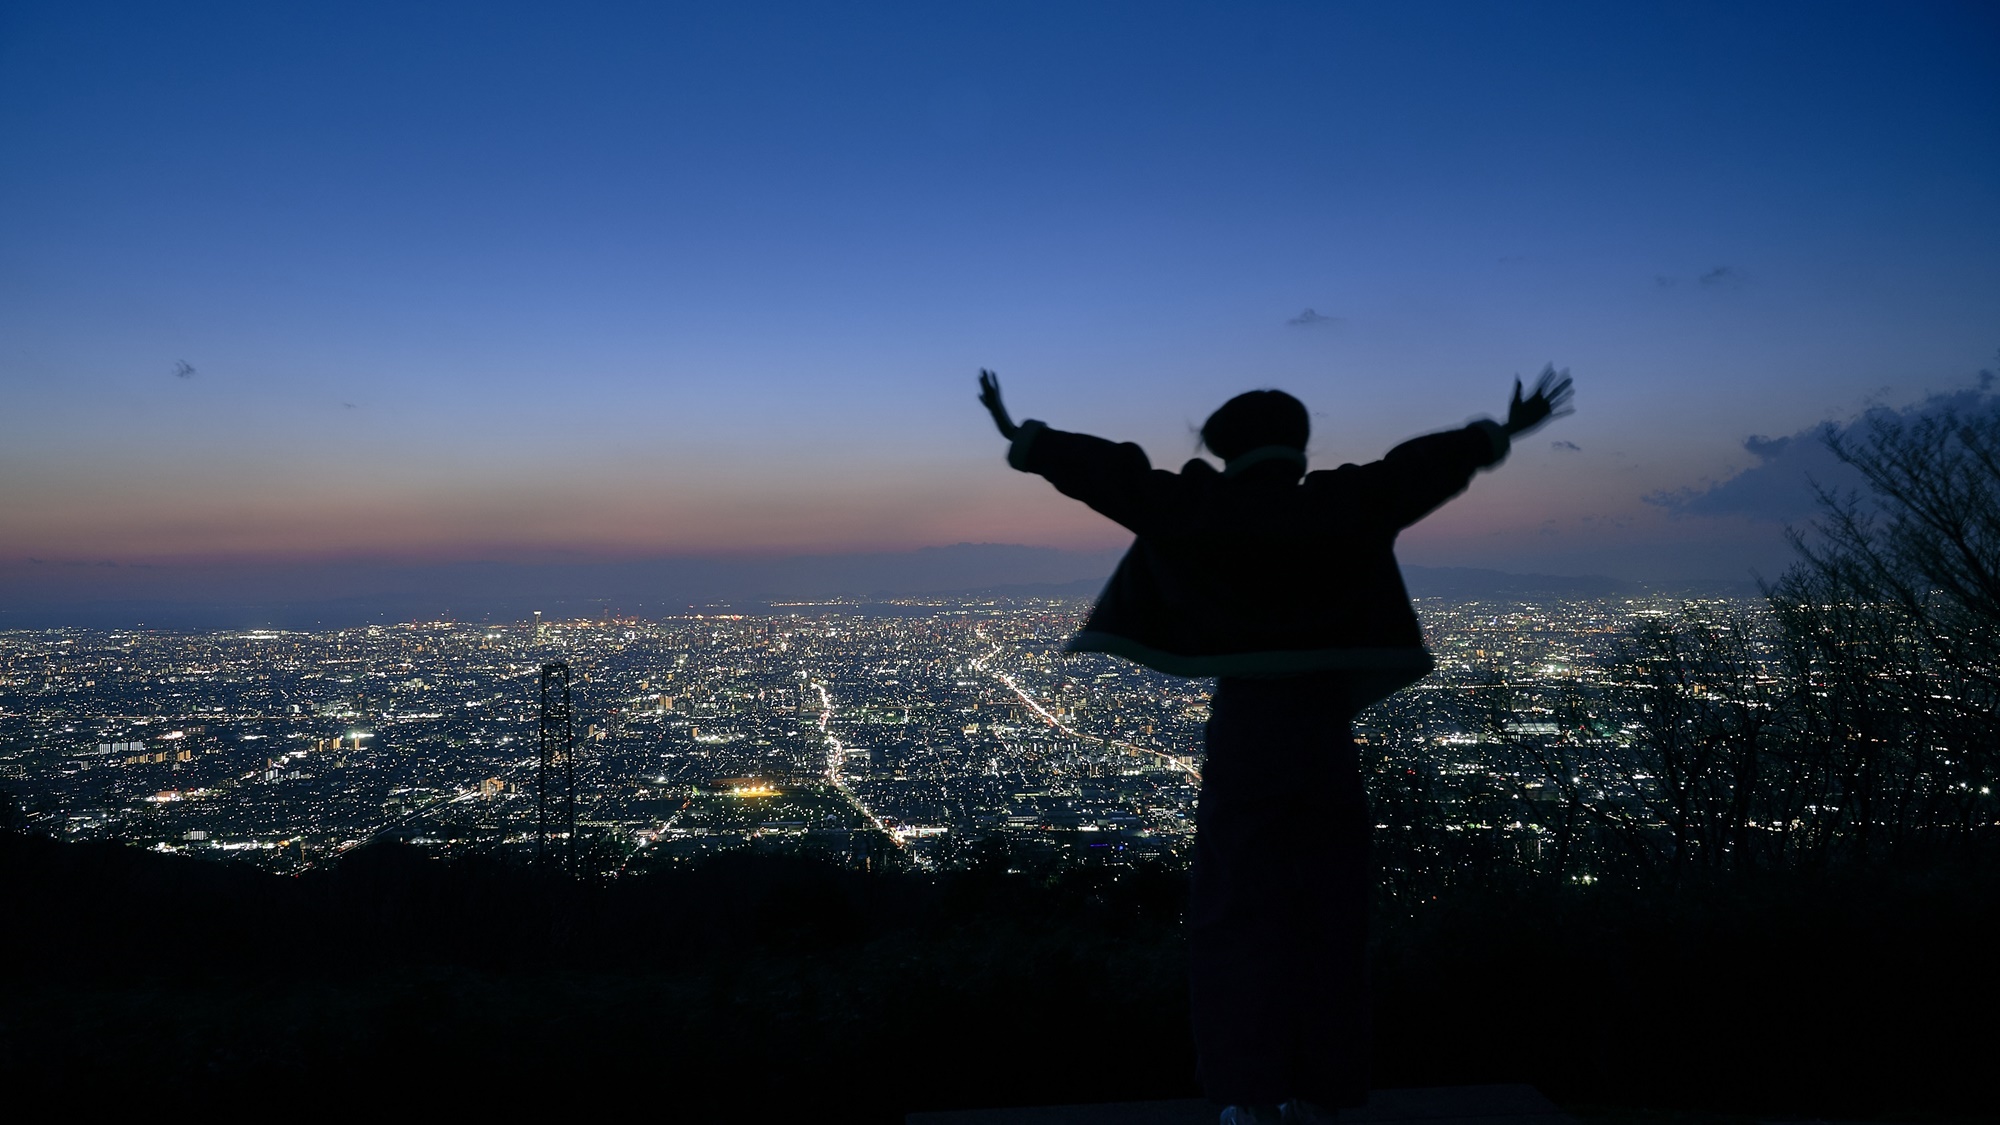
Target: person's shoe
1301,1112
1252,1115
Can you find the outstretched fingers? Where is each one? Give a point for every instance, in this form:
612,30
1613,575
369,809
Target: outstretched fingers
989,397
1553,387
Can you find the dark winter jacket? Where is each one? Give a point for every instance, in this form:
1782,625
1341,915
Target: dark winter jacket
1253,571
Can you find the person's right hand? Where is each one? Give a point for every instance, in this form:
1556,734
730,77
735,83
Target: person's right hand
1550,400
989,397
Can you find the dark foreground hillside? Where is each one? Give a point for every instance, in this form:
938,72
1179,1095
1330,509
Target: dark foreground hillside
762,984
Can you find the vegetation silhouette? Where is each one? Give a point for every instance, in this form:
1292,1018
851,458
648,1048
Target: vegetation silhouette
858,996
1854,726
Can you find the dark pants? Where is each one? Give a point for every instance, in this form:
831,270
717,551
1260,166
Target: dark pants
1278,925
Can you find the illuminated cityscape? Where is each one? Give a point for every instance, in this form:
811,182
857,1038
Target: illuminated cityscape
904,732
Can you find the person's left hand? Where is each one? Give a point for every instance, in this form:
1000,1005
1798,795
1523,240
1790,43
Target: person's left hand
1550,400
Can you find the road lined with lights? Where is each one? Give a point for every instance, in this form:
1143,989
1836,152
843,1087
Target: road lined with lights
981,664
836,757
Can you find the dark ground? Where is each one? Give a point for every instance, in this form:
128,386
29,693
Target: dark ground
788,984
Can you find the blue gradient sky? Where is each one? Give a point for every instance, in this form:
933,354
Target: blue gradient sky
519,281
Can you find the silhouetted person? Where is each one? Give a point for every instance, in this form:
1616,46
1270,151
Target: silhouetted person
1283,585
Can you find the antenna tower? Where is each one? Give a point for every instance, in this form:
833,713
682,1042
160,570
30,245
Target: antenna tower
558,763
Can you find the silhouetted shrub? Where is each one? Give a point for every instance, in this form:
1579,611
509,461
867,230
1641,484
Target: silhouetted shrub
795,986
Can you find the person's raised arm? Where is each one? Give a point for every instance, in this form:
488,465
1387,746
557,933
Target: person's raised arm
1113,477
1422,473
989,397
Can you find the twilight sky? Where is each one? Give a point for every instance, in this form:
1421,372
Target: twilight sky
515,282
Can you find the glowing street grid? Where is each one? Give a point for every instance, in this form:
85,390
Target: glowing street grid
919,726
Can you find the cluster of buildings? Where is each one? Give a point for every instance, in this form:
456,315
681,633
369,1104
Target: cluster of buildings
915,731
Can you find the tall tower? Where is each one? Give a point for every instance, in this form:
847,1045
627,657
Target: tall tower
558,763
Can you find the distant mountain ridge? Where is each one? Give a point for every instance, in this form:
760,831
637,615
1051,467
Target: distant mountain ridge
329,594
1459,582
1473,583
332,594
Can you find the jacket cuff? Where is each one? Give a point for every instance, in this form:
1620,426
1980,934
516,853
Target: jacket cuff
1496,434
1024,440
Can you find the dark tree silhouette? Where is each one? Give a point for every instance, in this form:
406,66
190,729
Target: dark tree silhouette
1855,724
1891,621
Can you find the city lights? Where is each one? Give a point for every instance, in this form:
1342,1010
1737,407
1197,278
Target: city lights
926,726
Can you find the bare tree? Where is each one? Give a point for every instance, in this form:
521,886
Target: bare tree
1891,621
1857,722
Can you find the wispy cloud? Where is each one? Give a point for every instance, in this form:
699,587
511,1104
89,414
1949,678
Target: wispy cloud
1764,448
1720,277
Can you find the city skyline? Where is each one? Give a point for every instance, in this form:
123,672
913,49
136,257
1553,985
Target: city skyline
924,726
291,295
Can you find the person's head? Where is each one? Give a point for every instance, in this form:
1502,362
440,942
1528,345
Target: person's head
1255,419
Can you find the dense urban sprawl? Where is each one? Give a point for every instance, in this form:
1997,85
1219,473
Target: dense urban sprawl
908,732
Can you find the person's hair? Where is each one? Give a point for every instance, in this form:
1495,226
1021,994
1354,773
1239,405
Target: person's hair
1253,419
